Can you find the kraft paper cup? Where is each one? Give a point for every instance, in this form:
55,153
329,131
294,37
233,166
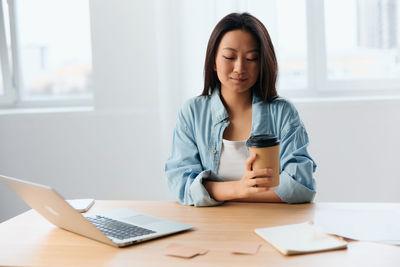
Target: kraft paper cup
267,149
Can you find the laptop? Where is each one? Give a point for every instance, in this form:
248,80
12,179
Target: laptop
119,227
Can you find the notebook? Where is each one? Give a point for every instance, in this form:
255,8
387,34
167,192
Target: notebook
299,239
119,227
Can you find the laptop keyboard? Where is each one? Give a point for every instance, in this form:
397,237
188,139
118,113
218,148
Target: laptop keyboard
118,229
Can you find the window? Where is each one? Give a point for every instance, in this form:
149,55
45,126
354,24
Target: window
47,55
363,44
355,47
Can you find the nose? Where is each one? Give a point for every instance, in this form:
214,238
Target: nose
240,66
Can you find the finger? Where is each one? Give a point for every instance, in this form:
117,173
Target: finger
254,190
250,161
263,172
261,182
255,182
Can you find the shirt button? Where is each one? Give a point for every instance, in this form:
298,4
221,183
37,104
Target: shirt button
214,151
225,120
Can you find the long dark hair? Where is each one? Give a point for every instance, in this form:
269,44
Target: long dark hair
265,87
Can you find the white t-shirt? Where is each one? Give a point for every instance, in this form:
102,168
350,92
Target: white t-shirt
233,159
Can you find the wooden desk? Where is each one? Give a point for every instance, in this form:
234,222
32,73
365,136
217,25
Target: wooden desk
28,239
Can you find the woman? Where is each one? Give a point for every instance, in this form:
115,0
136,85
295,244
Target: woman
210,163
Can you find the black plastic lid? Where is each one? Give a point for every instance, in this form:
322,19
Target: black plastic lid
264,140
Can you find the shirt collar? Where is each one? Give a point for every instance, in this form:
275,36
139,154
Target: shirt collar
219,112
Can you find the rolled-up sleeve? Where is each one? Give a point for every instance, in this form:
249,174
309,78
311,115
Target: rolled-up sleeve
184,170
297,184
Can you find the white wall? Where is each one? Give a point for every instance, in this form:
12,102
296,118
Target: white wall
355,145
118,150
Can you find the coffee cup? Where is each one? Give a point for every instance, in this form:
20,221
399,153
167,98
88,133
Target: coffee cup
266,147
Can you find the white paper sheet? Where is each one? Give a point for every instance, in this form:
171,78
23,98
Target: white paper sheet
363,224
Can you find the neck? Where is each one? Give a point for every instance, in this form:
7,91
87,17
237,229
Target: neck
236,102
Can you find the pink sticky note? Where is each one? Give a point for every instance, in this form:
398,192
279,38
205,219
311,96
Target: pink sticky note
246,248
178,250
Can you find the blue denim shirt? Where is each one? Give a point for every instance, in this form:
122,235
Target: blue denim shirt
197,143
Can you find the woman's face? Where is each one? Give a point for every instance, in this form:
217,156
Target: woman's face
237,61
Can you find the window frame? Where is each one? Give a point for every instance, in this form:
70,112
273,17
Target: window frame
8,96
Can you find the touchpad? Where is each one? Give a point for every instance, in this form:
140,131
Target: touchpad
141,219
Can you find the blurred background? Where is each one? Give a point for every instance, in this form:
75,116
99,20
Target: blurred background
89,91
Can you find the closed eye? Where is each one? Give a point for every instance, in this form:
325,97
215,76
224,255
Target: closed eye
252,59
229,58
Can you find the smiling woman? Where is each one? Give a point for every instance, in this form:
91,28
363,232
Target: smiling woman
239,101
237,66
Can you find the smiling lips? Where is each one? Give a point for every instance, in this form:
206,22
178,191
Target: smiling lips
238,80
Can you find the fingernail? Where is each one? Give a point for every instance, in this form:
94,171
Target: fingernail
269,171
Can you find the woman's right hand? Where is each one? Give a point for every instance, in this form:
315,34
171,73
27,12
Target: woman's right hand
253,181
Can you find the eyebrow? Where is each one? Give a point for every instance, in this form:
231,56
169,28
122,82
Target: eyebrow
231,49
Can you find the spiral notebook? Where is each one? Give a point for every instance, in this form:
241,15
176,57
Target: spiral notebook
299,239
